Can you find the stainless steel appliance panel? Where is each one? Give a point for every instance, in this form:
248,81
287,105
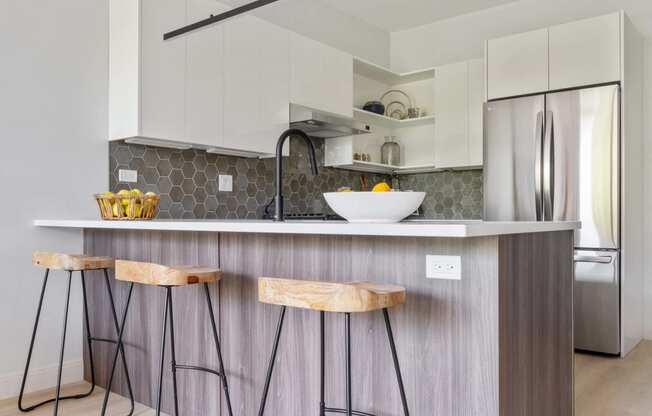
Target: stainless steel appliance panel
513,137
597,301
581,163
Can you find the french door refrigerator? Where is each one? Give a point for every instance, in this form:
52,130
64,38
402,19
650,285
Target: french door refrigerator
556,157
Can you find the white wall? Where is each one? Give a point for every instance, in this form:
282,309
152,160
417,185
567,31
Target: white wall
462,38
318,21
54,155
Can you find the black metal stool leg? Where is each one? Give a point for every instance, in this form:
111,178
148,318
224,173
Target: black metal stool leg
117,330
349,408
161,366
270,368
117,350
63,345
399,378
31,346
89,338
322,354
211,314
173,353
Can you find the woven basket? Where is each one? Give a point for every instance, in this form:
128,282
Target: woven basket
134,207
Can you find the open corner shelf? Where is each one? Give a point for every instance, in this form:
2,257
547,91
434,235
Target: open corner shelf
374,119
374,167
389,77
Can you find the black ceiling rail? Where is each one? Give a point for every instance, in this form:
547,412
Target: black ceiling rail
214,19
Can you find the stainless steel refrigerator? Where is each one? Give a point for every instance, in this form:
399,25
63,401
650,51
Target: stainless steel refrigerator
556,157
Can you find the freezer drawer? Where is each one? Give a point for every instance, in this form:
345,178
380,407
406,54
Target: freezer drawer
597,301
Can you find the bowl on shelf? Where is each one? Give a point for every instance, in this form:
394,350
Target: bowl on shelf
374,207
374,107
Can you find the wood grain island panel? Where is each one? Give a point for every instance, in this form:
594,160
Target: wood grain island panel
482,345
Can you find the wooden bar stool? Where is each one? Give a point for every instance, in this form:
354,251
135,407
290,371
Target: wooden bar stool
169,278
72,263
324,297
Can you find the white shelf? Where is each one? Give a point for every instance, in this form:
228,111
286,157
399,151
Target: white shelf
374,119
374,167
389,77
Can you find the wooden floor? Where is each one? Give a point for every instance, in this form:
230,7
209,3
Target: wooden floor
614,387
603,387
88,406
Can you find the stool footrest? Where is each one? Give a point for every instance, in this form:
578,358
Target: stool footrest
355,412
52,400
107,340
196,368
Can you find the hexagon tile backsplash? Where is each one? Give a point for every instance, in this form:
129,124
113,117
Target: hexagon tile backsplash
187,183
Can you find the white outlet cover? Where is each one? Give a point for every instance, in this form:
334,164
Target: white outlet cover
444,267
128,176
225,183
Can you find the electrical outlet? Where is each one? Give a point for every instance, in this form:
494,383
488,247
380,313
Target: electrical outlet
444,267
128,176
225,183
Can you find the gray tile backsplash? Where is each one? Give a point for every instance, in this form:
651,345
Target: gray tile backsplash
450,195
187,183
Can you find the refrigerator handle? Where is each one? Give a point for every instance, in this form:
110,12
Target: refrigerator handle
548,168
538,136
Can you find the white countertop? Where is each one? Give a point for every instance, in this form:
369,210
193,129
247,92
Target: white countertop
318,227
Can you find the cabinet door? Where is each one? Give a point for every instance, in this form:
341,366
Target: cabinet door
475,112
321,76
163,65
451,103
586,52
256,88
517,64
204,77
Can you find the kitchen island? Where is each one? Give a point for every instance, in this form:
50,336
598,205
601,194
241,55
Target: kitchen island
498,341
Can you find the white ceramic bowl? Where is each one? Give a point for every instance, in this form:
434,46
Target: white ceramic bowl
374,207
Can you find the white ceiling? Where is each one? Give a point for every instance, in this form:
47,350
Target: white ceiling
395,15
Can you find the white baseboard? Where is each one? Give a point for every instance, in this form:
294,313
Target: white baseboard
41,378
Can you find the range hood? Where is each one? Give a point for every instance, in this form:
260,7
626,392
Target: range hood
325,125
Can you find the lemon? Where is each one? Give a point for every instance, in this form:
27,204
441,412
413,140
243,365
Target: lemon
107,193
116,211
139,210
136,192
381,187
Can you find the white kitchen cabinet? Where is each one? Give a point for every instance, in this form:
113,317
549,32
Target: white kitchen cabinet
321,77
458,112
517,64
163,66
451,124
204,75
256,84
476,112
585,52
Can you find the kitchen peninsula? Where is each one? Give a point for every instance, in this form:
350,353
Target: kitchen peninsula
498,341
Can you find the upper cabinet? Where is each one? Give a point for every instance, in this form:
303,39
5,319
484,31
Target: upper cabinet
586,52
518,64
321,77
225,87
458,111
256,84
203,108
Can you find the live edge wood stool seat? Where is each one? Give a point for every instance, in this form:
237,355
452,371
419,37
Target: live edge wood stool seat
72,263
168,277
346,298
